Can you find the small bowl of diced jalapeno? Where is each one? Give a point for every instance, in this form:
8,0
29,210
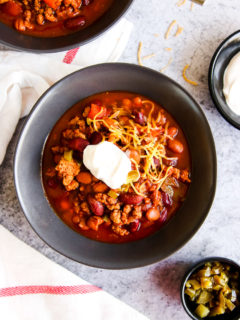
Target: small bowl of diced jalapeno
211,289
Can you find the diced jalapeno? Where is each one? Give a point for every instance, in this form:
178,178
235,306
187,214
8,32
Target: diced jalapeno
202,311
112,194
68,155
214,288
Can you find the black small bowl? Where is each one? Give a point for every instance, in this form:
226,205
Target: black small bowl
190,306
16,40
220,60
50,107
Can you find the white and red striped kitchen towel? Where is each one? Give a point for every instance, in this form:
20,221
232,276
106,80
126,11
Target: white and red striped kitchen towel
25,76
33,287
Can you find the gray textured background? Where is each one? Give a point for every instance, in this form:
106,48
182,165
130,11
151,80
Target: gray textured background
154,290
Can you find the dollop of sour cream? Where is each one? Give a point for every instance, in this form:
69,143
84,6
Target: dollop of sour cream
231,84
107,163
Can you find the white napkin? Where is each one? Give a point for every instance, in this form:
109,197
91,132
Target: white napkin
33,287
25,76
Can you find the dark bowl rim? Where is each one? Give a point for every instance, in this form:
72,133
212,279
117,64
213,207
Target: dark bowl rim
211,142
210,80
192,269
67,47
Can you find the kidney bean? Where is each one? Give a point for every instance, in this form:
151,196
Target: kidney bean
95,206
95,137
172,131
153,214
139,117
75,22
175,146
134,226
172,162
130,198
52,183
167,200
163,216
78,144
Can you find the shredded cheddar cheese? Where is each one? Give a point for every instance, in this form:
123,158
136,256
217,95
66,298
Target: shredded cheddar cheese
192,5
136,191
168,49
149,56
181,2
179,31
170,28
185,77
139,54
94,120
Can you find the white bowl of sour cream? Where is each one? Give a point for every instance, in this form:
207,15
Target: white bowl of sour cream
224,79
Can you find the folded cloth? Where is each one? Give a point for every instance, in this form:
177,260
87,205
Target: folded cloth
25,76
34,287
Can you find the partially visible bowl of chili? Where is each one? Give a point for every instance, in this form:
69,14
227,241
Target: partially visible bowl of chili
56,25
130,95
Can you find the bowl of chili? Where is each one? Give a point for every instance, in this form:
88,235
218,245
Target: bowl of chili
160,128
56,25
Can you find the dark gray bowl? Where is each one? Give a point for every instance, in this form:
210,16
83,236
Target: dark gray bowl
48,110
16,40
220,60
189,306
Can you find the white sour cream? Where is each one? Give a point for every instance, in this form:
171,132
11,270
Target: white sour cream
107,163
231,84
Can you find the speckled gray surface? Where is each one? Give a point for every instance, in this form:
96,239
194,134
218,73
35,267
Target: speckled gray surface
154,290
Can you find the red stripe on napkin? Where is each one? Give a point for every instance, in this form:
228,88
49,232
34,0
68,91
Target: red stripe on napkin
59,290
70,55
